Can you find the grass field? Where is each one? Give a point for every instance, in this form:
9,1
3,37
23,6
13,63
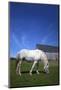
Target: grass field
35,80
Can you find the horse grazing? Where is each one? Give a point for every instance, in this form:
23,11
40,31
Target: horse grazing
31,55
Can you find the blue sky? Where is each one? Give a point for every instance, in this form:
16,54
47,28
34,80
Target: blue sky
32,24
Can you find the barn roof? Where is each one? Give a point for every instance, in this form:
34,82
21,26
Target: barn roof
47,48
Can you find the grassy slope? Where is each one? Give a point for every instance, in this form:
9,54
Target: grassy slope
26,80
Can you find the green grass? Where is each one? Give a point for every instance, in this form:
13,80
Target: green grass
35,80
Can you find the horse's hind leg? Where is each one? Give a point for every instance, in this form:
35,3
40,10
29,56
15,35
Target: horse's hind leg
33,67
19,67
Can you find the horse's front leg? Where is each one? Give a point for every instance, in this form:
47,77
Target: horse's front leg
37,67
33,67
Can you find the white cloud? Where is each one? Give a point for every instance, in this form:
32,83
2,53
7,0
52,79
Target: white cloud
16,40
45,38
23,39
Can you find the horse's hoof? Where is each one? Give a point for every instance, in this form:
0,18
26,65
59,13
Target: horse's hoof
17,72
47,72
30,74
38,73
20,74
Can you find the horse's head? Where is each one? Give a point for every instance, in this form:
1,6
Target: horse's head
46,68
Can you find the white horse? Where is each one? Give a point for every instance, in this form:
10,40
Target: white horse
31,55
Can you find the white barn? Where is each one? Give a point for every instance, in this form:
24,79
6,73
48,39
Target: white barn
52,52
